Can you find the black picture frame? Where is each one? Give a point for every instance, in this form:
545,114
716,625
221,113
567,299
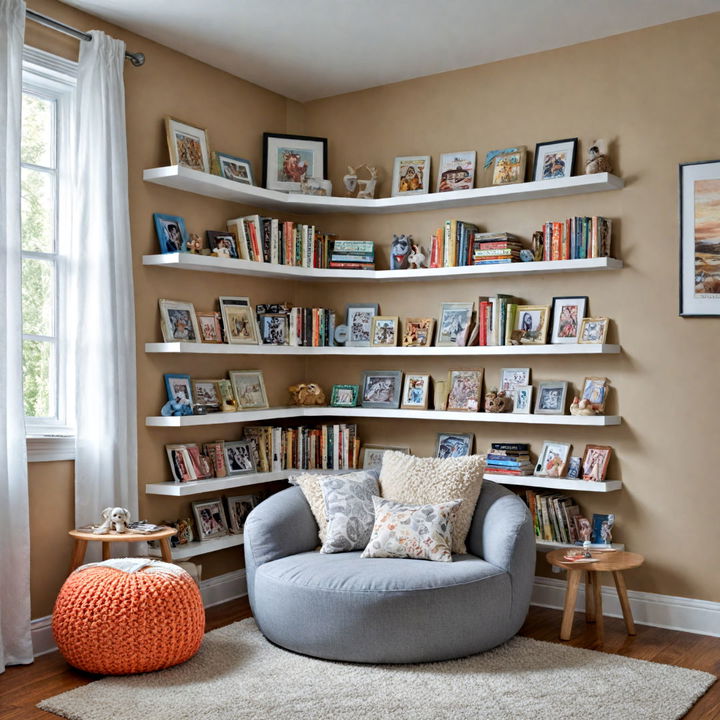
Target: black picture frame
554,316
304,144
569,165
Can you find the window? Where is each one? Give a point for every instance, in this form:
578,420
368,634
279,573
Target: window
48,94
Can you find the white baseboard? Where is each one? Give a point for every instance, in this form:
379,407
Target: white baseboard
663,611
42,637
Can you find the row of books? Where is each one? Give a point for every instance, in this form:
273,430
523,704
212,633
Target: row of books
496,319
509,459
353,255
299,326
577,238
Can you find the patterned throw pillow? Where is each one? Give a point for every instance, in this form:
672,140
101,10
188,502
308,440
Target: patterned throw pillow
350,512
421,532
421,481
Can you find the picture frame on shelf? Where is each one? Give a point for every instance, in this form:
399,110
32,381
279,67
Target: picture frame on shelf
596,459
210,520
359,318
181,467
464,390
179,389
555,159
416,391
418,332
239,507
290,159
274,328
511,378
506,166
171,233
552,459
344,396
551,397
249,389
188,145
239,458
699,245
532,320
574,467
210,327
595,390
207,395
593,330
522,399
567,316
602,525
373,455
223,241
411,175
227,394
455,319
381,389
178,321
201,463
456,171
384,331
449,445
238,320
232,168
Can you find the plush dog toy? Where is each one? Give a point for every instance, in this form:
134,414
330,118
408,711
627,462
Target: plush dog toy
307,394
114,518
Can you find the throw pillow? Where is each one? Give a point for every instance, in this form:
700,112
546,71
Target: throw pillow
309,483
421,532
350,512
422,481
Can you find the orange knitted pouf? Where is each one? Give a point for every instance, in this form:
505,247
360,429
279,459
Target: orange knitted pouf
128,616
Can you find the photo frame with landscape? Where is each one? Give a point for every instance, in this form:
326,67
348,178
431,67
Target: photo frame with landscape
567,316
178,321
171,233
359,319
554,159
411,175
290,159
381,389
464,390
418,332
553,459
595,462
188,145
456,171
232,168
210,520
449,445
551,398
416,391
249,389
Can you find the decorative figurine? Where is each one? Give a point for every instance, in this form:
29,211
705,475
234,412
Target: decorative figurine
400,251
195,244
538,243
527,255
497,402
597,158
581,407
114,518
417,257
350,181
176,408
586,549
306,394
516,337
361,188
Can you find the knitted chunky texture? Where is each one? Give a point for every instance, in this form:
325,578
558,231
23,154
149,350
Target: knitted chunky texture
111,622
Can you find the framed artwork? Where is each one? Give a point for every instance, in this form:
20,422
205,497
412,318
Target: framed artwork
178,389
381,388
373,455
532,320
178,321
384,331
344,395
290,159
201,464
700,239
595,462
553,459
464,390
505,166
593,330
181,466
595,392
567,314
232,168
511,378
239,507
239,458
455,319
249,389
451,445
188,145
522,399
207,395
418,332
554,159
411,175
456,171
210,328
551,398
210,518
359,322
171,233
574,467
274,328
223,242
602,525
238,320
416,391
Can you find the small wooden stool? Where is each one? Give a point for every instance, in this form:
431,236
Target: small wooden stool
82,538
614,562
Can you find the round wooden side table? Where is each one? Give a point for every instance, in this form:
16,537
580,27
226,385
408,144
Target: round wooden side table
613,562
82,538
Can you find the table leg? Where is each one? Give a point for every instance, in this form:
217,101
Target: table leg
573,583
105,551
597,602
78,554
589,608
165,550
624,603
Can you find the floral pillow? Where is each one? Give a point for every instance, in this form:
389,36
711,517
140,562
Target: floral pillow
422,532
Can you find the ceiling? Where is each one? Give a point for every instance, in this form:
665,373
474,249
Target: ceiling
308,49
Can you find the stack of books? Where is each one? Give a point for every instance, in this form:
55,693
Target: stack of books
577,238
509,459
353,255
495,248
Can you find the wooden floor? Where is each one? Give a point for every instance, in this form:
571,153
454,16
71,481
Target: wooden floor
21,687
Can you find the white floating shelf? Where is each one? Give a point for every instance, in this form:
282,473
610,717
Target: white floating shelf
555,483
280,413
214,186
183,552
547,545
225,349
208,263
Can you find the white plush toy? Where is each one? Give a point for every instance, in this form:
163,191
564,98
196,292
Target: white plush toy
114,518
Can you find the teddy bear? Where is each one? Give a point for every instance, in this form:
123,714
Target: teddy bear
497,402
114,518
307,394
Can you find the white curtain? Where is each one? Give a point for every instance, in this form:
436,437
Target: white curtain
106,456
15,641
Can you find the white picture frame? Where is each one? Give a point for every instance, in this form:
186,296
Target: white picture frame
359,317
511,378
553,459
522,399
411,175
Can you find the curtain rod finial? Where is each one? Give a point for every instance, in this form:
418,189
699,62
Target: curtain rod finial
137,59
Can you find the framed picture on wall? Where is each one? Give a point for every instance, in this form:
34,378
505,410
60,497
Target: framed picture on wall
700,239
456,171
290,159
411,175
188,145
554,160
232,168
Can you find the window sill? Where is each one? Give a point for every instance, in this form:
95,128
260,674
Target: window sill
50,448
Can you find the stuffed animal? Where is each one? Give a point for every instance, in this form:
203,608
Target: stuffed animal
597,158
307,394
582,407
399,252
416,259
497,402
114,518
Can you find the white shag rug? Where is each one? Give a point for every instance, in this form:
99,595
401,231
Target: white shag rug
238,674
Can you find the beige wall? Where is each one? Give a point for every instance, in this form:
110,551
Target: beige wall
651,90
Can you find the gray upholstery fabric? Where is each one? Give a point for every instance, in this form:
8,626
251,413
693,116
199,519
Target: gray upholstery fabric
340,607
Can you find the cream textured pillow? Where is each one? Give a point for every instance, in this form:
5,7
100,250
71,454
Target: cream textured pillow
429,481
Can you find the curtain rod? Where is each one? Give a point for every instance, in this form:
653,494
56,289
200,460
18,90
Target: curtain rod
137,59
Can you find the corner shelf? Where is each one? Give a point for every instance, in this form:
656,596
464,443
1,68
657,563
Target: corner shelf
214,186
231,266
191,549
280,413
186,348
555,483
